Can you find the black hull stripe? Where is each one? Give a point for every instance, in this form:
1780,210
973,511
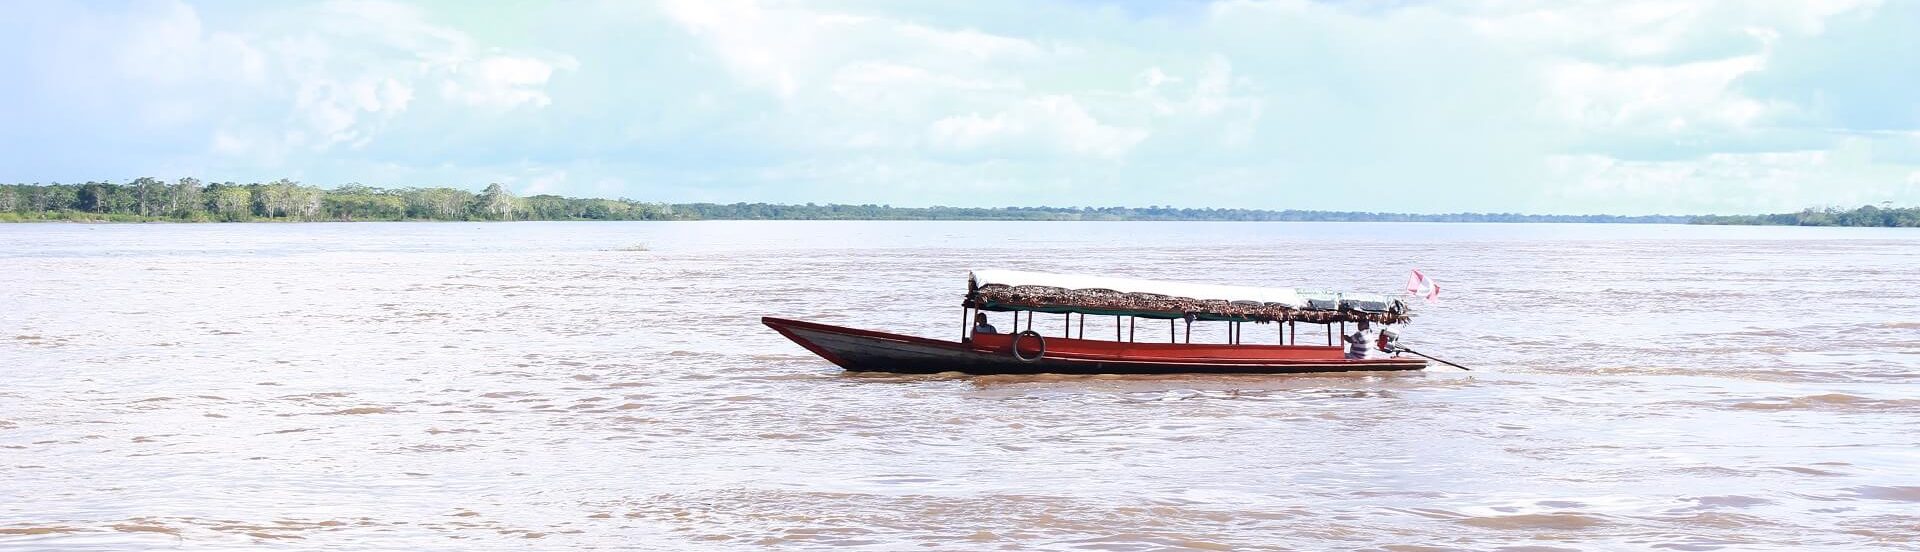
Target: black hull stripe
877,354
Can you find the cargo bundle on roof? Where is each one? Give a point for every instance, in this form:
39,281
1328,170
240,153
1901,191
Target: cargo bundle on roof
1013,290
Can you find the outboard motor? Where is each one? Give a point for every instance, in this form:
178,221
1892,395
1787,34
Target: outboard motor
1388,342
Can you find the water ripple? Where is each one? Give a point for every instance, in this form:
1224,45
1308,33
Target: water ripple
457,386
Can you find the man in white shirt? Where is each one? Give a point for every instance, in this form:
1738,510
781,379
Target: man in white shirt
1359,342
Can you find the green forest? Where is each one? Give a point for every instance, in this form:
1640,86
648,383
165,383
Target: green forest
1907,217
192,200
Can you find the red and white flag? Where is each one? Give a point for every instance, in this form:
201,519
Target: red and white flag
1420,284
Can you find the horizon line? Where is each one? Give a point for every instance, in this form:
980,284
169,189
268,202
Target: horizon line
1080,208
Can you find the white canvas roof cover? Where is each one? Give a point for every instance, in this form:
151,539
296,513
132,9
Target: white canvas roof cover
1289,297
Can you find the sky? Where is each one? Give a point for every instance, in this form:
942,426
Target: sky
1572,107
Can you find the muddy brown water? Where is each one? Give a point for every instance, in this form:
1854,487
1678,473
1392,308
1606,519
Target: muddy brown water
607,386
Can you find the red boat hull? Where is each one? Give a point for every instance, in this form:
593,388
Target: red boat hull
870,351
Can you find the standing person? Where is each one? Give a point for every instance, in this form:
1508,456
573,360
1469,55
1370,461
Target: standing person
980,324
1358,342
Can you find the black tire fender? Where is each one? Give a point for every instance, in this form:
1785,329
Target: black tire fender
1023,335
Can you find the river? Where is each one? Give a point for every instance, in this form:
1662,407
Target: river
555,386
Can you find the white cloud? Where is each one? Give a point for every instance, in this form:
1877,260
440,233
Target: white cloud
225,143
973,44
1648,30
541,182
1214,95
1847,175
876,80
1450,105
869,83
407,29
502,82
1057,123
764,49
310,78
165,44
1750,180
788,49
766,43
1594,96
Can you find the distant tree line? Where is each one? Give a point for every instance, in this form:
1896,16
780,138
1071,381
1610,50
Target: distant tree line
772,211
191,200
1908,217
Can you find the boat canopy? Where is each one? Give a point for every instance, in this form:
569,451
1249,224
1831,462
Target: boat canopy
1016,290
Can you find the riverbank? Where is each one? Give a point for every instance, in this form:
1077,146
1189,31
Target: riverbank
1866,216
190,200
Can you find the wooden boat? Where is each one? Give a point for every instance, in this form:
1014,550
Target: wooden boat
1128,301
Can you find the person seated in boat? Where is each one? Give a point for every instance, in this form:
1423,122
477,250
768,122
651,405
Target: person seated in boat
1358,342
980,324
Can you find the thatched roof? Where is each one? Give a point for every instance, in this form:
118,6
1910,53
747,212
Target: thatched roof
1030,291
